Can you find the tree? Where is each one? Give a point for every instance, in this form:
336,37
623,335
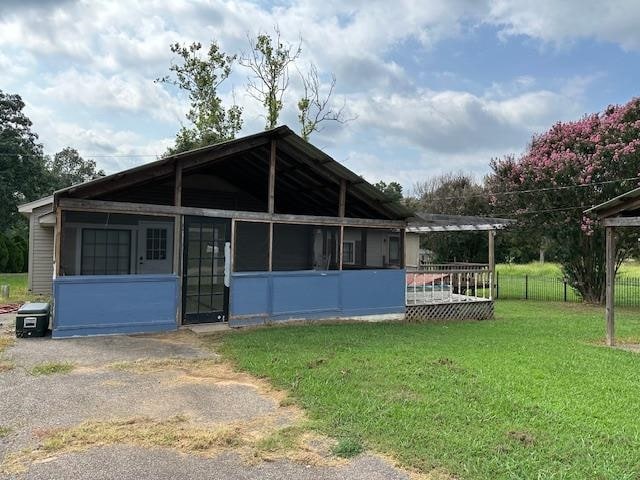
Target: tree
269,59
22,166
68,168
315,107
566,170
200,78
393,190
4,253
453,194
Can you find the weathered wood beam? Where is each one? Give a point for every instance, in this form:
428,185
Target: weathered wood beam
318,168
170,210
272,177
615,209
57,254
177,238
610,284
342,200
622,222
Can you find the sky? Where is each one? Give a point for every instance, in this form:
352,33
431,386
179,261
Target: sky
431,86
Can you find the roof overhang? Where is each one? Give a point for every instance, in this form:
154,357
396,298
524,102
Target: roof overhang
626,202
27,209
287,139
433,222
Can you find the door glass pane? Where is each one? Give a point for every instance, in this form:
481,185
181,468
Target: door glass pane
192,285
191,304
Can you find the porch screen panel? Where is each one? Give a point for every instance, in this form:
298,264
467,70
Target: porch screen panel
305,247
371,248
96,243
251,253
105,252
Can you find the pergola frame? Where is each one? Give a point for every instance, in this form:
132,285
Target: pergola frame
621,211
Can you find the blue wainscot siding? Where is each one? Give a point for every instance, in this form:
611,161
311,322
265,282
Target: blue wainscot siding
260,297
114,304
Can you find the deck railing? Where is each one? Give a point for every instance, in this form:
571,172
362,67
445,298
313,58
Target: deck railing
450,282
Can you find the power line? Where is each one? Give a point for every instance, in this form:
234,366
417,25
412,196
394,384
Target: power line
536,190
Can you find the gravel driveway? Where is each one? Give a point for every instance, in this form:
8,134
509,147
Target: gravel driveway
44,419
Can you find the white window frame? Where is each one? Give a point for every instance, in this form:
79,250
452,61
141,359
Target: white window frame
353,252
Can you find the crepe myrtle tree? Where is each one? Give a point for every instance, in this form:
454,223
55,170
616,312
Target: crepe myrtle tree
566,170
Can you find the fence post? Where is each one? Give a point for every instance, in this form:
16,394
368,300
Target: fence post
564,281
526,287
497,284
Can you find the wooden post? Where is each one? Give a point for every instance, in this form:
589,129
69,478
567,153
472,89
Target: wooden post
177,238
272,177
343,198
270,246
610,284
57,243
492,260
341,249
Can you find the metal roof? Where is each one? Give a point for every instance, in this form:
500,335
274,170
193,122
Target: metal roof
616,204
321,161
424,222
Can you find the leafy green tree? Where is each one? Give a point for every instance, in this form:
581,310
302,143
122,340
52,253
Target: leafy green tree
591,160
393,190
68,168
453,194
22,164
4,253
269,59
200,77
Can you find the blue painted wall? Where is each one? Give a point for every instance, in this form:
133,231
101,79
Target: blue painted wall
112,304
258,297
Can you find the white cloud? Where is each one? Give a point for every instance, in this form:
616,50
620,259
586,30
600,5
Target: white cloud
454,121
563,22
100,58
131,93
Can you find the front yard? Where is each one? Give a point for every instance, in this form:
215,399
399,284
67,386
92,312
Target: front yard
530,395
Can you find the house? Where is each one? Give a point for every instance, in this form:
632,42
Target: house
254,230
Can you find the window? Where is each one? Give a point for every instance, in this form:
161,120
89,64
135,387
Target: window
156,244
394,250
106,252
348,253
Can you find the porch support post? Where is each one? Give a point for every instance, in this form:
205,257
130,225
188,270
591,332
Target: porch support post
341,212
270,246
343,198
492,261
610,284
57,243
272,177
177,238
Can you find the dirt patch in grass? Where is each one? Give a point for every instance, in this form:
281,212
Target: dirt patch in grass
51,368
6,342
524,438
203,370
255,440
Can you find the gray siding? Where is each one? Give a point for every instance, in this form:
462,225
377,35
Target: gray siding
40,254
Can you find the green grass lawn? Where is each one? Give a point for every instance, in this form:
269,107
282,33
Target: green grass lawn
536,269
18,292
528,395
